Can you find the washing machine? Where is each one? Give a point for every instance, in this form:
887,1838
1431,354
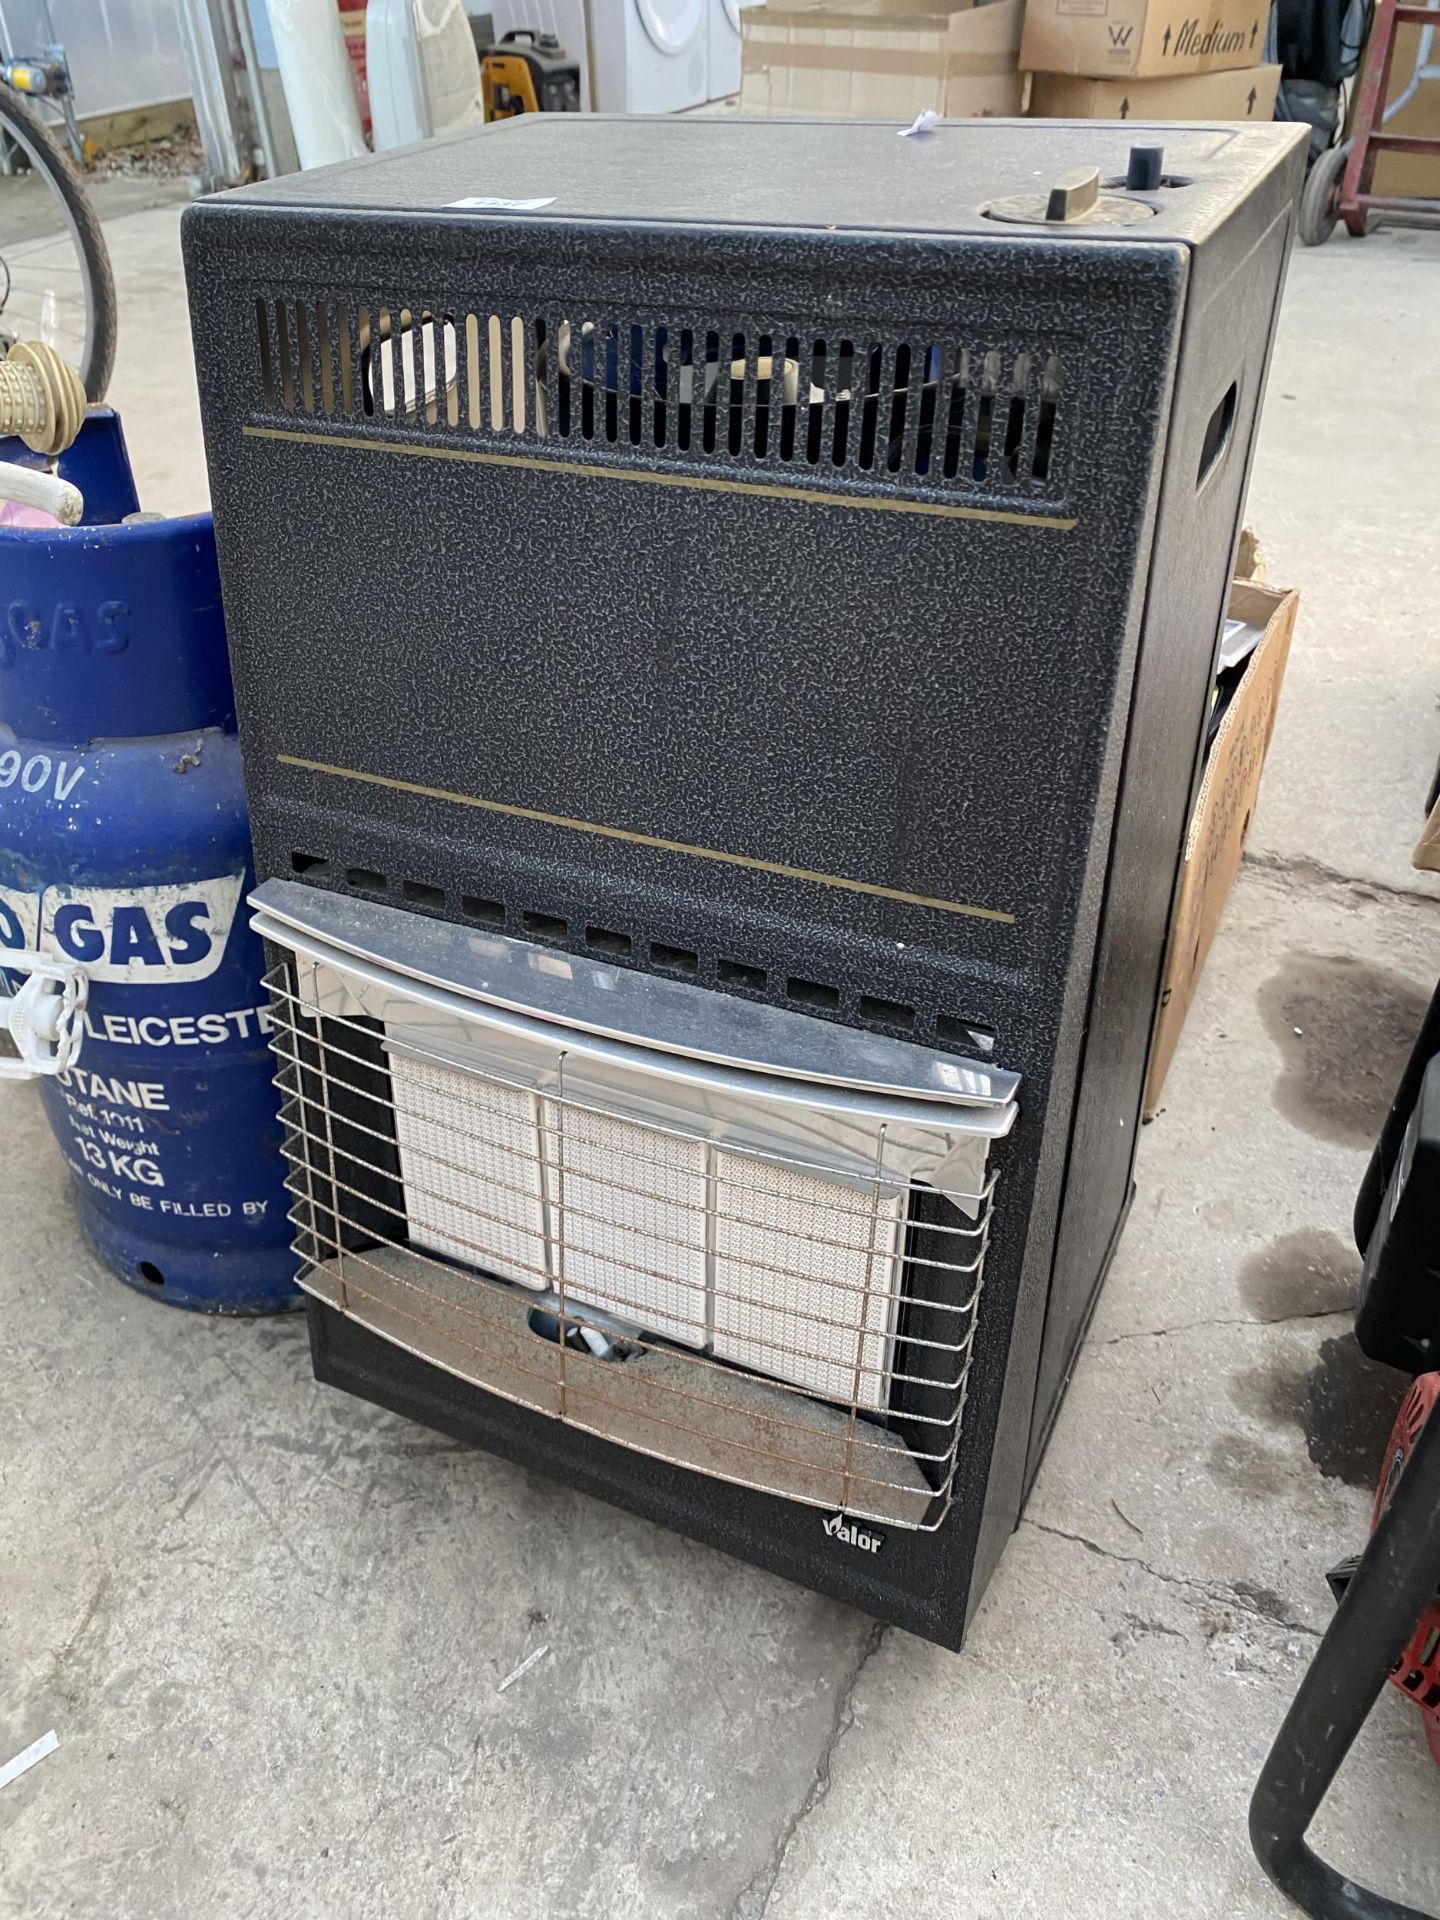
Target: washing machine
650,56
724,25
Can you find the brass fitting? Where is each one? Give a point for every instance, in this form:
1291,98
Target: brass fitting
41,397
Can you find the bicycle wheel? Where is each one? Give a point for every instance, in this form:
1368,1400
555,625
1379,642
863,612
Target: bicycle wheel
55,280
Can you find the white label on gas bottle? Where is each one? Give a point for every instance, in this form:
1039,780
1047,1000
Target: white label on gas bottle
19,918
211,1029
135,935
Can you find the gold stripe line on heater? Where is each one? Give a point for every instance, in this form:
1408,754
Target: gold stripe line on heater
586,470
647,840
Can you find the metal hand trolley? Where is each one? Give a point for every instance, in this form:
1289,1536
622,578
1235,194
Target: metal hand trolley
1339,186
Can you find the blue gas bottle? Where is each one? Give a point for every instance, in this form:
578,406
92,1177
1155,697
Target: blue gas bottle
125,860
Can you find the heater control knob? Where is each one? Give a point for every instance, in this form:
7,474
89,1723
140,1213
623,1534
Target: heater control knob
1146,169
1074,195
1073,200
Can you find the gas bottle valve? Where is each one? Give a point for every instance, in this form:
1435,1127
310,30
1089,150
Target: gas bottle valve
44,1016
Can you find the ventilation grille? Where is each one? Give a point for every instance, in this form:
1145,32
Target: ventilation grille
920,415
743,976
756,1318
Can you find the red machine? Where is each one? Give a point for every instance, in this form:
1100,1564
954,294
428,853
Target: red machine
1387,1616
1417,1672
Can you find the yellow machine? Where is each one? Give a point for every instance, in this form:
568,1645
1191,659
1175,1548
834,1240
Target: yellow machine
528,72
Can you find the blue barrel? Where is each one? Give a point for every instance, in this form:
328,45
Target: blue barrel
124,846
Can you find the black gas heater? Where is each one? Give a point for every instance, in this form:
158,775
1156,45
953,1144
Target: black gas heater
723,617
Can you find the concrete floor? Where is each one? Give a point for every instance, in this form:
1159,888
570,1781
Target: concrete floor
269,1622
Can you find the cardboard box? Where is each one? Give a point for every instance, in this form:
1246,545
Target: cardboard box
1245,93
1142,39
1250,559
1410,176
887,60
1221,820
1427,848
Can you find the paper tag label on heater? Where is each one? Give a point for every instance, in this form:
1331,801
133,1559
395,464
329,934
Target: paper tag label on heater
863,1539
484,203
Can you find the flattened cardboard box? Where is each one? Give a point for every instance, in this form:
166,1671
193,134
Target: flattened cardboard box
887,59
1410,176
1427,848
1142,39
1245,94
1220,822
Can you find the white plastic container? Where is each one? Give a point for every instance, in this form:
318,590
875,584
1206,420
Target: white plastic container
424,72
319,84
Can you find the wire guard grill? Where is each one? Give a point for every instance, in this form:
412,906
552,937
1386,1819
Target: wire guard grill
748,1314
